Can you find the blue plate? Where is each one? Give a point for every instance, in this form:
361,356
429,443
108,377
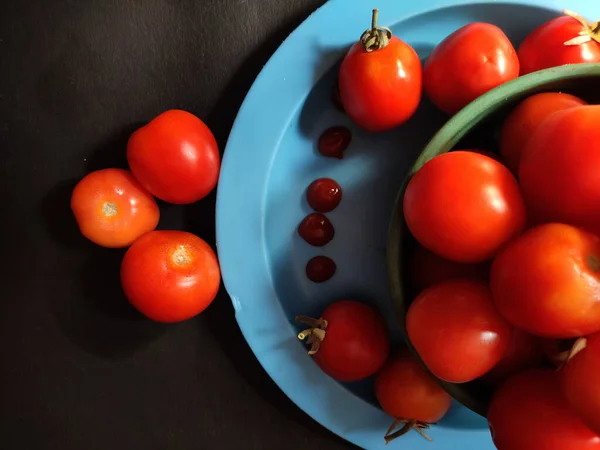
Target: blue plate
270,160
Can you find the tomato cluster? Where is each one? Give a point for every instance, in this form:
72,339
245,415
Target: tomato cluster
168,276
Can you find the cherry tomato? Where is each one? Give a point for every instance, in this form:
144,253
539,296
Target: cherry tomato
547,281
525,118
471,61
456,330
170,276
408,393
560,169
524,352
380,80
320,269
428,269
324,195
316,229
349,342
568,39
464,206
175,157
528,412
580,384
334,141
112,209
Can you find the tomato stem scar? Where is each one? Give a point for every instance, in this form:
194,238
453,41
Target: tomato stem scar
109,209
181,256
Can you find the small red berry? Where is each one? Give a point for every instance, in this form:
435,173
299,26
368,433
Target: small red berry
324,195
334,141
316,229
320,269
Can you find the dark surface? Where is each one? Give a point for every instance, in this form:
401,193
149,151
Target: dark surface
79,368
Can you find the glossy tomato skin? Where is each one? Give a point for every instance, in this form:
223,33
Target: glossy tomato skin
406,391
560,169
471,61
356,343
324,195
545,46
175,157
464,206
170,276
456,330
580,383
546,281
525,118
429,269
112,209
528,412
381,90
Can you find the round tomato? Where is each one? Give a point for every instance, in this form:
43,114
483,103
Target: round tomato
464,206
579,381
380,80
524,352
471,61
112,209
528,412
456,330
569,39
428,269
547,281
525,118
560,169
349,342
170,276
409,394
175,157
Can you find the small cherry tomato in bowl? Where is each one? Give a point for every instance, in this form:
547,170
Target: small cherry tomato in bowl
380,80
324,195
349,342
175,157
112,209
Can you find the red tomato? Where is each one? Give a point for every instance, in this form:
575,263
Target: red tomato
525,118
320,269
380,80
464,206
568,39
112,209
170,276
324,195
471,61
528,412
547,281
428,269
456,330
524,352
316,229
175,157
580,382
560,169
407,392
349,342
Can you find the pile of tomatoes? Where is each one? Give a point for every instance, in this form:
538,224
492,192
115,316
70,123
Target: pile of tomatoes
168,275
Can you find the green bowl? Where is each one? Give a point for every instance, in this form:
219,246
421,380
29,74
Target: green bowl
476,126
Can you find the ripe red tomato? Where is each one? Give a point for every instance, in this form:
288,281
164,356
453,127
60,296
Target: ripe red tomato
525,118
380,80
528,412
175,157
349,342
471,61
428,269
560,169
407,392
324,195
579,382
547,281
112,209
170,276
464,206
524,352
456,330
568,39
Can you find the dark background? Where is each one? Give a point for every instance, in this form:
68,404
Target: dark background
79,368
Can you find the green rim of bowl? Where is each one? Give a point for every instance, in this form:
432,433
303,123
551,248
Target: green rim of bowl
444,140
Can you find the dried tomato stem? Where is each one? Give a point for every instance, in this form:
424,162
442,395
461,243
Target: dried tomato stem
580,344
375,38
407,425
315,334
590,31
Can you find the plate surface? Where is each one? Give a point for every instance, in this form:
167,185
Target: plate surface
271,158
